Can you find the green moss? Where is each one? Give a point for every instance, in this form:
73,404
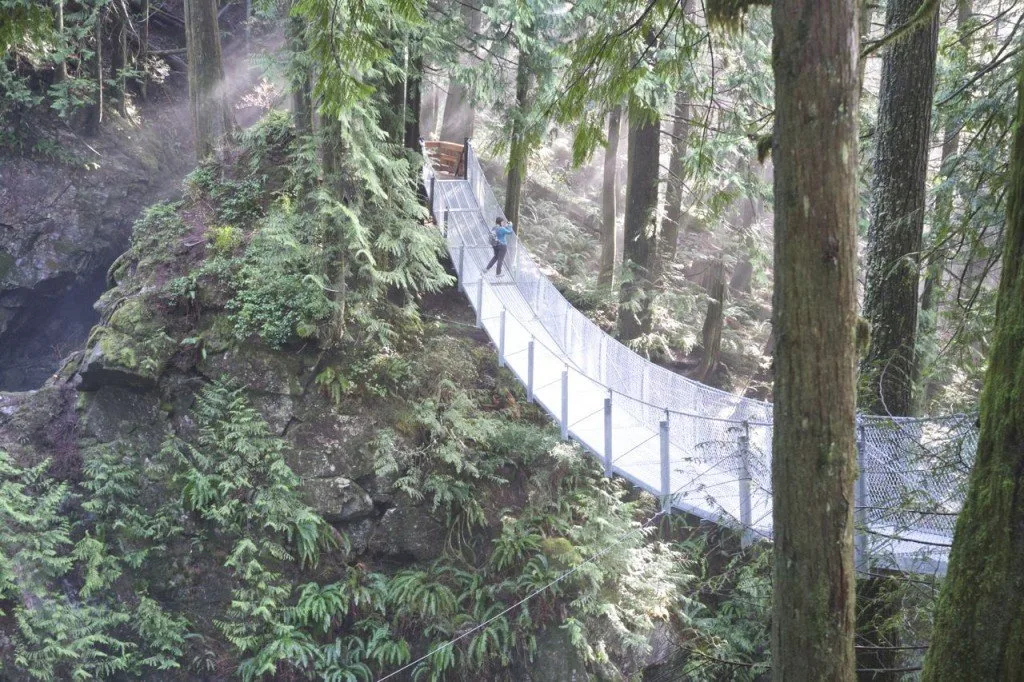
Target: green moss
65,247
6,264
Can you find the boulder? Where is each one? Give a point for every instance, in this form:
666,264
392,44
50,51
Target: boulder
406,532
337,499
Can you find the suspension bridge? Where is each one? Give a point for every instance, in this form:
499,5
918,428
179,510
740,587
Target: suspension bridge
699,450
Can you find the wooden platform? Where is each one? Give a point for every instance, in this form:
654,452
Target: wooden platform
448,159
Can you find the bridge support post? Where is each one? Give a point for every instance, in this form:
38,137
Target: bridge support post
666,471
746,518
433,197
529,371
860,504
501,339
608,435
480,301
565,404
462,267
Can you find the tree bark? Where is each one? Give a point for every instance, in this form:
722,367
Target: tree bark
673,219
897,213
458,108
61,73
979,623
815,59
711,334
609,192
413,100
211,114
640,231
94,114
519,146
301,78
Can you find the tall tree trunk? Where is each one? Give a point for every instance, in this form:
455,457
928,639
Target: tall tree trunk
301,78
674,190
979,623
519,146
944,199
144,52
61,74
120,61
640,231
413,101
458,107
211,114
94,114
897,212
815,55
711,334
429,104
609,192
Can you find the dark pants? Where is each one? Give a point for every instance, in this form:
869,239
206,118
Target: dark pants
499,257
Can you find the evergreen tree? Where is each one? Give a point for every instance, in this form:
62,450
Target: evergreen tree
899,199
211,114
814,313
639,251
609,194
979,624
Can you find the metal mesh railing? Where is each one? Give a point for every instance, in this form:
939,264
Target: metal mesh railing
702,450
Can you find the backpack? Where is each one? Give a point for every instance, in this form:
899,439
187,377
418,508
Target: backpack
494,236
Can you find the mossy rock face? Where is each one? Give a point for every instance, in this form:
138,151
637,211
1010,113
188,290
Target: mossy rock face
260,370
556,660
408,533
117,414
332,442
117,359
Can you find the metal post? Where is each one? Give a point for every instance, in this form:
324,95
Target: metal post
462,267
565,329
860,503
565,404
608,435
666,473
480,301
501,339
529,371
746,518
433,197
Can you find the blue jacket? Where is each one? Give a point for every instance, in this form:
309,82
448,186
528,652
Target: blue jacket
502,232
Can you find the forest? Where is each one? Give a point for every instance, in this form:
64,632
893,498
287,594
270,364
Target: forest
514,340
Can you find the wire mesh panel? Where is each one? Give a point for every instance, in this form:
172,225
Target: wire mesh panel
708,449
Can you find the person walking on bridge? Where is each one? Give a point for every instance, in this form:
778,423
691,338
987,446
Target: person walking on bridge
499,241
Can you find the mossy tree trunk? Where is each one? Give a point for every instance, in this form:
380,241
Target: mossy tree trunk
979,624
519,145
211,114
609,191
674,186
711,334
639,250
815,59
899,198
301,77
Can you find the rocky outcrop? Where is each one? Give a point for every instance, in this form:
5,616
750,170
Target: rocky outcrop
63,219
